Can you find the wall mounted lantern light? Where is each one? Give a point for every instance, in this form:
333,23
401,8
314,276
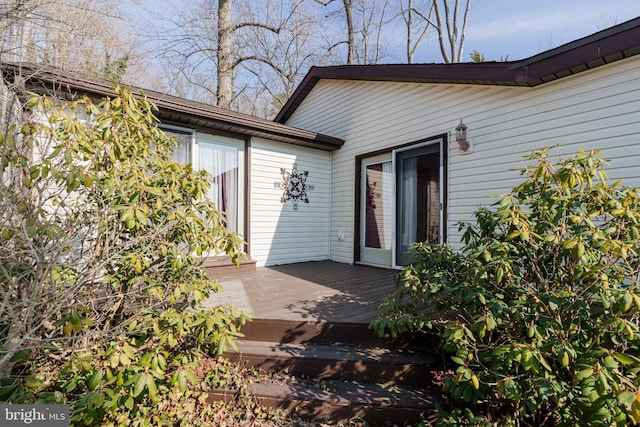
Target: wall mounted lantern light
461,137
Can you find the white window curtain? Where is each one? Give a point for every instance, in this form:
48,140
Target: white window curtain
387,204
221,161
409,202
181,153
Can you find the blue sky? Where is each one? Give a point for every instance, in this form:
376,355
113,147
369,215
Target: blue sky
521,29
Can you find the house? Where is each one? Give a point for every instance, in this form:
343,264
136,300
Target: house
363,159
401,176
260,168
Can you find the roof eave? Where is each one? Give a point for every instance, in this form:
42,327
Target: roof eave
604,47
53,81
487,73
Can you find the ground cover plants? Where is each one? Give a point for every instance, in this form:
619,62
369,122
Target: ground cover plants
540,308
101,238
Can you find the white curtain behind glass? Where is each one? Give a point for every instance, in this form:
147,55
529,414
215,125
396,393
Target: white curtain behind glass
181,153
221,161
409,202
387,204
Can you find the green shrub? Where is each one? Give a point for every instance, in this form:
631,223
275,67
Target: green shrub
101,237
541,307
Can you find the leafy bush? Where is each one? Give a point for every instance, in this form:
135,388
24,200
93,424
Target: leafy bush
101,238
541,307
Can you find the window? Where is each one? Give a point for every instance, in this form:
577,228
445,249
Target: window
182,153
223,158
221,161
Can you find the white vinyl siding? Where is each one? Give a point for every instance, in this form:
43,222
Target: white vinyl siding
279,233
597,109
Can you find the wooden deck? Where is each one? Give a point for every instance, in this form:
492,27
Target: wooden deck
322,291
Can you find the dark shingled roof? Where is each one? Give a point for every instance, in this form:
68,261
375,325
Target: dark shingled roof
172,110
610,45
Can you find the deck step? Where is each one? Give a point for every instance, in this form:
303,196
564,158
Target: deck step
339,371
341,402
338,362
222,264
331,333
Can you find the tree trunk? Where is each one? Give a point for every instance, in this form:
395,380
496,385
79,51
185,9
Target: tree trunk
351,41
409,22
224,93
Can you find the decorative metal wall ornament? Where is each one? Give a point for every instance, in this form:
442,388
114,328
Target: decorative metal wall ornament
295,186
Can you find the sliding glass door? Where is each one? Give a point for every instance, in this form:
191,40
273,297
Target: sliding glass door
418,199
401,202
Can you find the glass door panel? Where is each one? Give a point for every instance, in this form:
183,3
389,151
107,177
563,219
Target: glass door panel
376,224
418,203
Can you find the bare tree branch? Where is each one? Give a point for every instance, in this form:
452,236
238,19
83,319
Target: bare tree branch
450,35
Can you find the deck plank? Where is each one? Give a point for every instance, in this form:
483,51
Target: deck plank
320,291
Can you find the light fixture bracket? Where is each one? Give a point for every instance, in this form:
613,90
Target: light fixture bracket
461,137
